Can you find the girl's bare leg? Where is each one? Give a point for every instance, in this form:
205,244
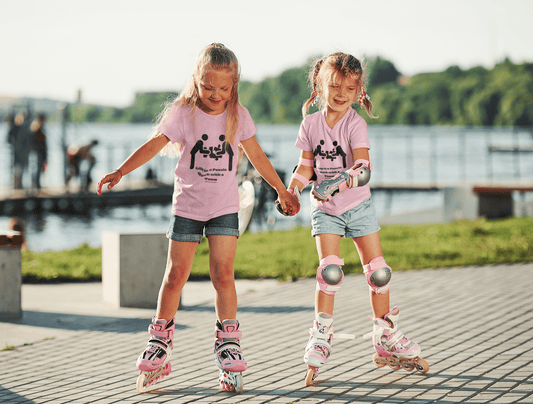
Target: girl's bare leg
179,264
222,251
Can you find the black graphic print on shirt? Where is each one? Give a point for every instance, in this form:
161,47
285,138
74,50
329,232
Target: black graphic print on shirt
216,152
330,154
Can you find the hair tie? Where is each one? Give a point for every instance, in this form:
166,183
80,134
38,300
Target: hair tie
314,96
362,98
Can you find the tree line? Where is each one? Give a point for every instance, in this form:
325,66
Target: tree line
501,96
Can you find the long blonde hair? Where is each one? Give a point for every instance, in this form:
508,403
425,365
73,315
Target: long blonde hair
213,57
327,69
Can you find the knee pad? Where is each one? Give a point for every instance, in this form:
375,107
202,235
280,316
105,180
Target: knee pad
329,274
378,275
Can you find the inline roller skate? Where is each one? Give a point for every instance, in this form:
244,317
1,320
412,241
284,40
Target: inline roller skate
392,347
228,355
318,347
154,361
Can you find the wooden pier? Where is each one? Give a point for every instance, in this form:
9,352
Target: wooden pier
60,200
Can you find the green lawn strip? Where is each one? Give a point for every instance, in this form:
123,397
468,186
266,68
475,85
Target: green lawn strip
291,254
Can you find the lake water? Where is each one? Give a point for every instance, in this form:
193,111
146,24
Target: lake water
400,154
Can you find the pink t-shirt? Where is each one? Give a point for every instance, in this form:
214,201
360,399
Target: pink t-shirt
205,185
332,148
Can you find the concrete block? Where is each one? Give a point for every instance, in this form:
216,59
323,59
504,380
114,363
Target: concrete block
10,275
133,266
460,203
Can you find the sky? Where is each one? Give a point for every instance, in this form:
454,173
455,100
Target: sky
111,49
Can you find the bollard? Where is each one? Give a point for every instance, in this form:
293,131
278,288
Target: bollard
10,274
133,266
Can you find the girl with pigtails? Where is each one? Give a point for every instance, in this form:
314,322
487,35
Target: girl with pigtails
335,157
204,126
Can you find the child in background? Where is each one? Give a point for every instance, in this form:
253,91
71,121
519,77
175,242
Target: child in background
204,125
335,154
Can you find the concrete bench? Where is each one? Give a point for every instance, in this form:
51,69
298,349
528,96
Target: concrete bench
10,274
133,266
497,202
470,202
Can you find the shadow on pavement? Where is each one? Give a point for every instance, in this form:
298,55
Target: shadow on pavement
78,322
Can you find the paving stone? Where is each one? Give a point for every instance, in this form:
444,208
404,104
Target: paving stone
475,331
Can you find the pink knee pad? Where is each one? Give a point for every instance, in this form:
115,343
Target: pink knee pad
378,275
329,274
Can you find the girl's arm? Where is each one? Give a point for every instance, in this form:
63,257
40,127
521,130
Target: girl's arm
361,153
303,170
139,157
262,164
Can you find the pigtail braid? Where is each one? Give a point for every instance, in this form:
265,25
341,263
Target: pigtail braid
313,81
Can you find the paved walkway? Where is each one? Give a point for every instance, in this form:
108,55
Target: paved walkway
475,326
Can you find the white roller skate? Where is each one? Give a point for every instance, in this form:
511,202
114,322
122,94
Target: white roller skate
318,347
154,361
228,355
392,347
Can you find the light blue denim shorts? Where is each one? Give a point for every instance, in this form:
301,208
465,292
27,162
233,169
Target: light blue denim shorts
357,222
183,229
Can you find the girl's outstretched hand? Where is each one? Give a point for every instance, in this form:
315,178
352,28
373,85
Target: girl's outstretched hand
113,179
289,203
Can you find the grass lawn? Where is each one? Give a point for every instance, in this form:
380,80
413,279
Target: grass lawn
290,255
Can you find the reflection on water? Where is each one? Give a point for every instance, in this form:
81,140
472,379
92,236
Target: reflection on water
49,231
400,154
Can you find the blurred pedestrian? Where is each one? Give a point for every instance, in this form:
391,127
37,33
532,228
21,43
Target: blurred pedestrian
19,136
76,156
39,149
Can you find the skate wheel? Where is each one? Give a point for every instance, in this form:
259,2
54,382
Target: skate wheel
409,366
239,383
421,365
393,363
311,374
378,360
141,382
168,369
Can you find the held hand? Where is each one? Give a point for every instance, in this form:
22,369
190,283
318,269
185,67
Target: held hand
288,202
113,179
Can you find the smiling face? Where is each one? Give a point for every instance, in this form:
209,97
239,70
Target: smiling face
215,89
340,93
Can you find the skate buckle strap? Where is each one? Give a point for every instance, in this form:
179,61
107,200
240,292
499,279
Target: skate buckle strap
160,343
168,334
320,335
394,339
344,336
228,334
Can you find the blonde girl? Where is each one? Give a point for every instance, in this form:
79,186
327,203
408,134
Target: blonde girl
335,154
204,126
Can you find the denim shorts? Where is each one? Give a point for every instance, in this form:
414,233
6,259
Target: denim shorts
183,229
357,222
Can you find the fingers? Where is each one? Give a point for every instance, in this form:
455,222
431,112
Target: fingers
109,178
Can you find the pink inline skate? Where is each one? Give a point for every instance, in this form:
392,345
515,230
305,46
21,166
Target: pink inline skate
318,347
154,361
228,355
392,347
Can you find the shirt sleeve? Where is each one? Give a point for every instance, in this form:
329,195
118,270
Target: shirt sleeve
358,134
303,142
248,126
